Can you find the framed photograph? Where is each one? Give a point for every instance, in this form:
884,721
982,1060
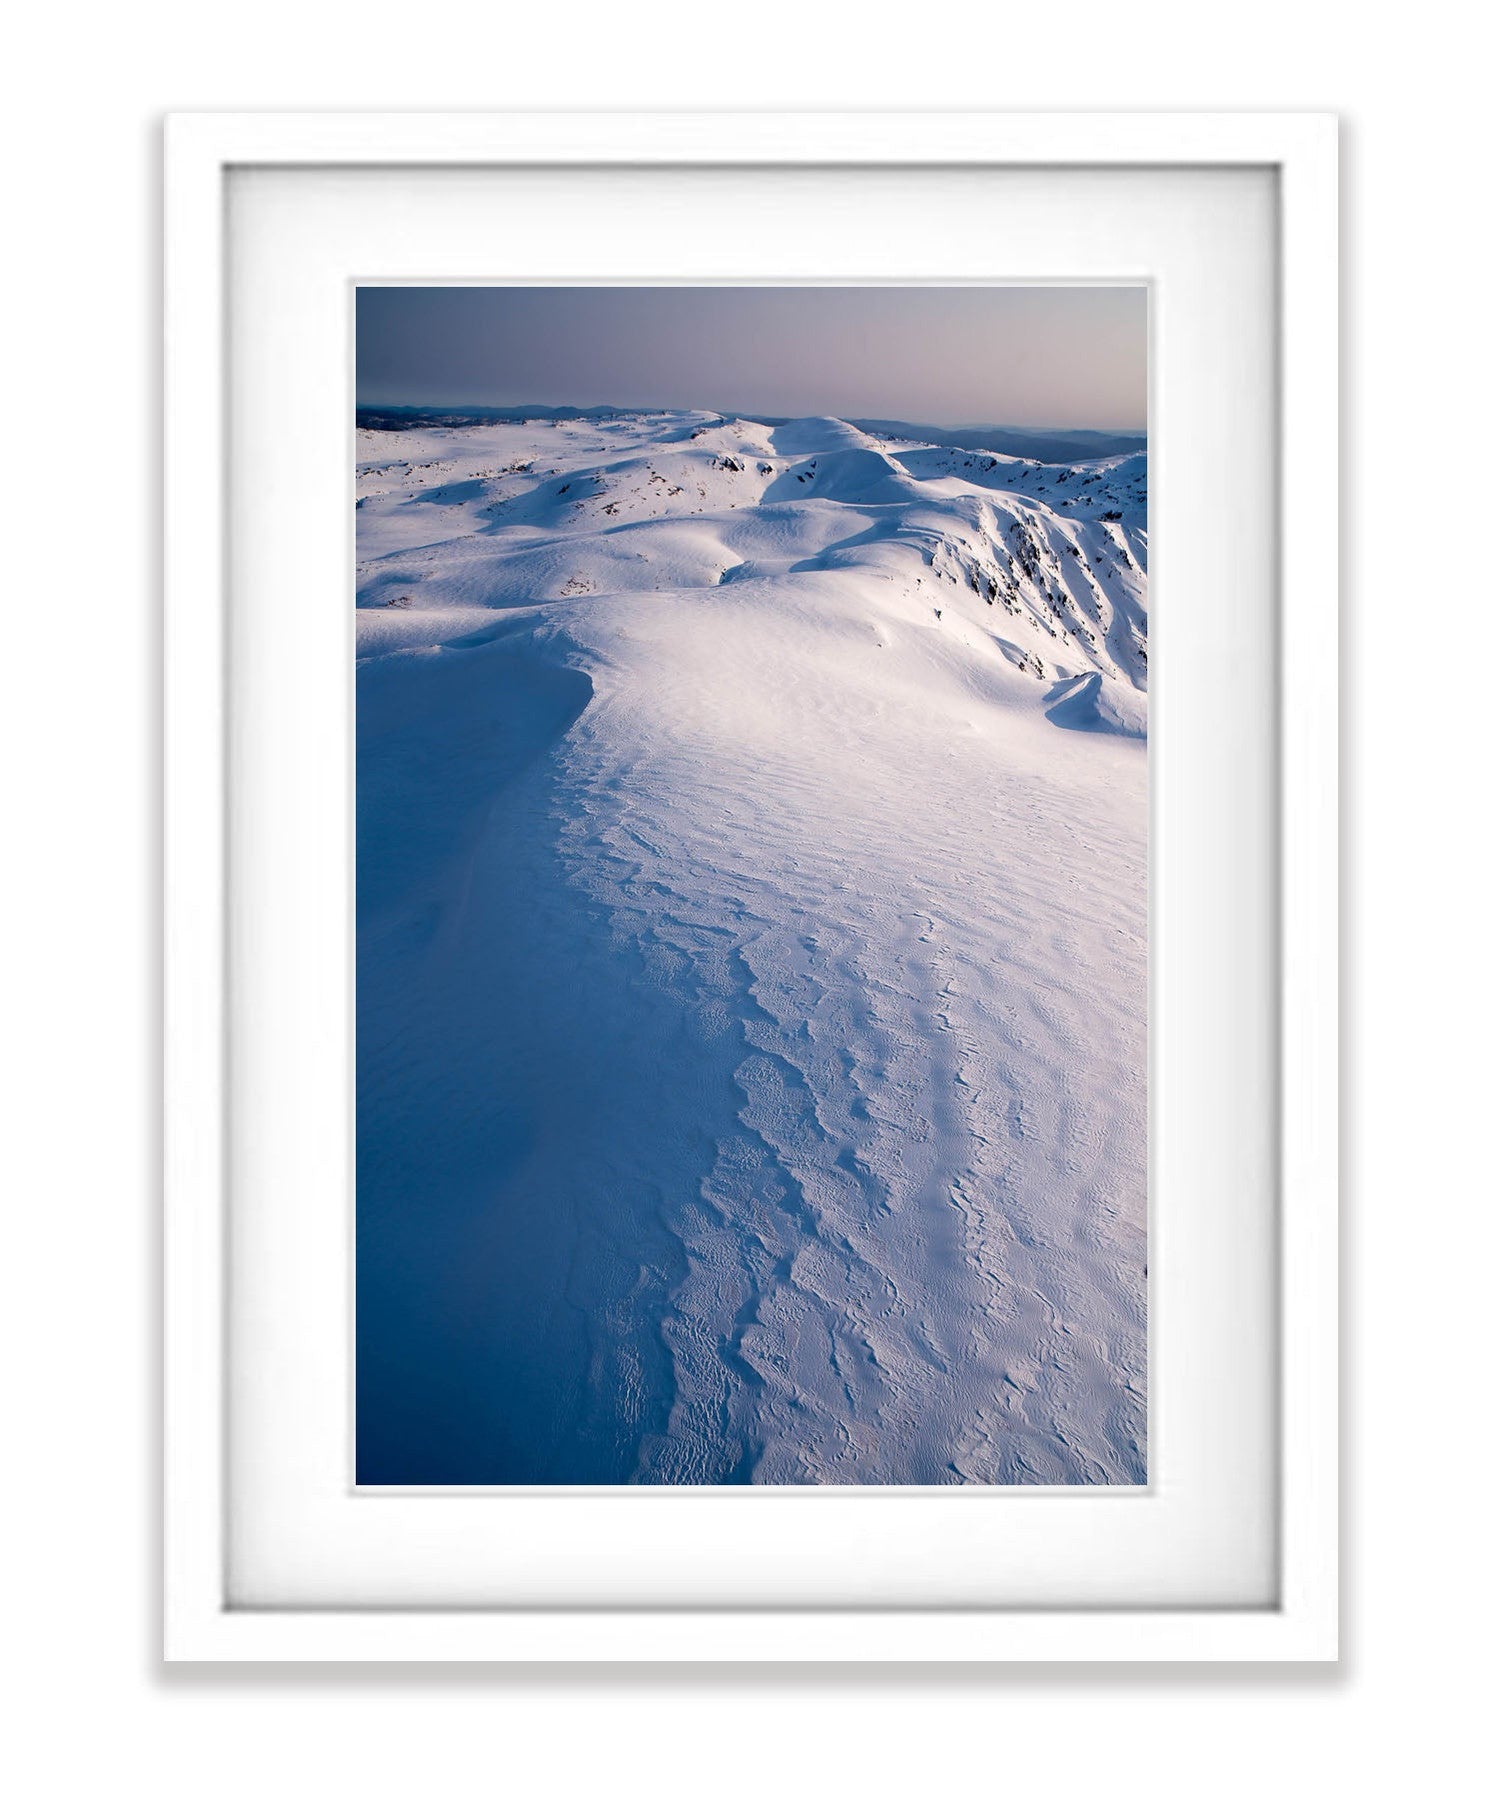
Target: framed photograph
751,1056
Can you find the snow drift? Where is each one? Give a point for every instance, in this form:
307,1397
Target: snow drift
751,974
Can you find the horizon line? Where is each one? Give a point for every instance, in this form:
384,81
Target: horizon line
539,408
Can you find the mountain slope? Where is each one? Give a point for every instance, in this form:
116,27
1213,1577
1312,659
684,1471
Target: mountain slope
751,956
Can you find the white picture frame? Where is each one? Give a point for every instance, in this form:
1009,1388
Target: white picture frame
202,1619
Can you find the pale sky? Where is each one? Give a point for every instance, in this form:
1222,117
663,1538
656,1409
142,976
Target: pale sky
1065,357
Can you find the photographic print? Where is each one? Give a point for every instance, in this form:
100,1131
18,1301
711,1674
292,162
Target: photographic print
751,848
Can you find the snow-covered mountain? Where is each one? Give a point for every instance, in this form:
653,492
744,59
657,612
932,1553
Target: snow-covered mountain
751,978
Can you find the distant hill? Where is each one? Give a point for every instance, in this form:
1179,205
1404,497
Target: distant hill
1059,445
1013,440
418,418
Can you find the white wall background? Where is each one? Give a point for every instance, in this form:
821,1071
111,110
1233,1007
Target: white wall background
89,1709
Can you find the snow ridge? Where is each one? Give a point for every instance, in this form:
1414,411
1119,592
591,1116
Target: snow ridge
751,956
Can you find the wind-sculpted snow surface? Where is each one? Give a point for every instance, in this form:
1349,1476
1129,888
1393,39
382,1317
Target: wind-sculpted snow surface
751,970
